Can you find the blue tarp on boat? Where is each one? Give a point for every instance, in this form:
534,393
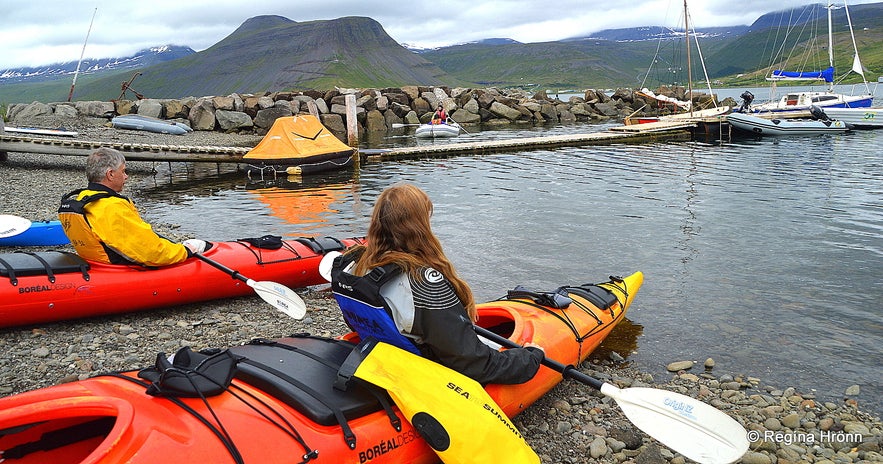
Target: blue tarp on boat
827,75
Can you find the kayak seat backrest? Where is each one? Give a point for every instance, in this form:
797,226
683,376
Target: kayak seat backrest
300,371
48,263
322,245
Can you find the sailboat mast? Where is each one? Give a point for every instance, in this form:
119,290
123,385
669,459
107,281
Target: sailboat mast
74,83
689,67
830,44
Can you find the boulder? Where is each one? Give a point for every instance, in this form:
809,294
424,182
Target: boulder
549,112
471,106
202,116
607,109
233,120
124,107
266,117
465,117
175,109
334,123
392,118
421,105
411,118
96,109
375,122
504,111
66,111
412,91
322,106
151,108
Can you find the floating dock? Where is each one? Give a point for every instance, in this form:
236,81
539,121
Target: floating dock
641,133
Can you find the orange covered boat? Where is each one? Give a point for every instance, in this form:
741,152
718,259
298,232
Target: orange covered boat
37,287
281,406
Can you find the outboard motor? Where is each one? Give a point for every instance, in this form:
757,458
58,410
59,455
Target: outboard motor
747,97
818,113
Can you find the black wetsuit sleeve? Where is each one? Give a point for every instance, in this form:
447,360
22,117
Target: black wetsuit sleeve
448,337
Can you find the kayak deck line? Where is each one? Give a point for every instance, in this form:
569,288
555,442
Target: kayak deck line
219,154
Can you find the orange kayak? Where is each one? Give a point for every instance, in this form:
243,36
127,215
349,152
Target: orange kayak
281,405
38,287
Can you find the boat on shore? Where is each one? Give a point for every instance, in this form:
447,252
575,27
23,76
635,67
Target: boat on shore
776,126
279,403
47,286
145,123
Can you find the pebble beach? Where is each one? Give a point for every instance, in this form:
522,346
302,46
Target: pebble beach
571,424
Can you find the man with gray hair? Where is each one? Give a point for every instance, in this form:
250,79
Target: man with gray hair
104,226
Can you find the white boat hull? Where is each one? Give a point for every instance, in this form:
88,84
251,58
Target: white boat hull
802,101
763,126
871,118
427,131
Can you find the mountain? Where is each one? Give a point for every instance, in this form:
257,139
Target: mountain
273,53
144,58
270,53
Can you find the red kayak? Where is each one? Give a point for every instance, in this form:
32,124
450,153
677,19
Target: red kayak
38,287
274,401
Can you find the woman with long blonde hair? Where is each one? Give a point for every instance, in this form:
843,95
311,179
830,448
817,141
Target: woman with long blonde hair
429,303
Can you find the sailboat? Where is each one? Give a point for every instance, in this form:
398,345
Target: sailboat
685,109
804,100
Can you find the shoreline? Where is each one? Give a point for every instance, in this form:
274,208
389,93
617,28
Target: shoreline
572,423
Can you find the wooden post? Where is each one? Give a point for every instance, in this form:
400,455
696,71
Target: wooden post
352,124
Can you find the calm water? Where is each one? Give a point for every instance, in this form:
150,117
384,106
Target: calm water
766,255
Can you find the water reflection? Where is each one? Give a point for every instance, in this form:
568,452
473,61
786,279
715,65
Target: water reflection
623,340
307,202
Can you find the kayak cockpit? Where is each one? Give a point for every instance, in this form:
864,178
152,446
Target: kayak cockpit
63,430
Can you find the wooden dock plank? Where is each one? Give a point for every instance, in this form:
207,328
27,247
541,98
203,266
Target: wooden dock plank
212,154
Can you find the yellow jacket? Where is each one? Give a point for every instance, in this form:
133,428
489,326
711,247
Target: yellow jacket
114,233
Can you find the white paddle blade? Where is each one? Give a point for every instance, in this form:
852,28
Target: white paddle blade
280,296
693,428
326,263
10,225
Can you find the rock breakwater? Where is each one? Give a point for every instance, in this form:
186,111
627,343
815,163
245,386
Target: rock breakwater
377,110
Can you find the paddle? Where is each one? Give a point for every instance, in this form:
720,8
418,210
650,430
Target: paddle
11,226
693,428
278,295
461,128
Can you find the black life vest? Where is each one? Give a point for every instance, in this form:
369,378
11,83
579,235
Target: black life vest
365,311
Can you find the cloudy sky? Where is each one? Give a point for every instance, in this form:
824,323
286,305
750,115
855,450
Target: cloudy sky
38,32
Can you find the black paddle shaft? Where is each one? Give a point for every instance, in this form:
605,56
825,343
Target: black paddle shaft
567,371
217,265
